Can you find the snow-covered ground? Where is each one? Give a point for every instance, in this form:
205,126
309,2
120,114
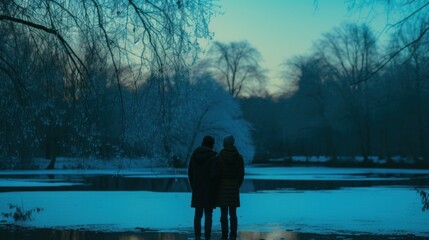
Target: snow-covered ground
374,210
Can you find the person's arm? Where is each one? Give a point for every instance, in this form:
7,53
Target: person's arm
240,170
191,173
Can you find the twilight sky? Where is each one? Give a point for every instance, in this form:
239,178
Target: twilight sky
280,29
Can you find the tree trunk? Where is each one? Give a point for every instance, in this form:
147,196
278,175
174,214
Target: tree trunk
50,148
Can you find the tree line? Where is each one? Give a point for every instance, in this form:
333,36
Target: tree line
49,116
344,105
110,79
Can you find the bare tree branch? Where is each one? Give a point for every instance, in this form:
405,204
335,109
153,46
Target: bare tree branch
392,56
69,50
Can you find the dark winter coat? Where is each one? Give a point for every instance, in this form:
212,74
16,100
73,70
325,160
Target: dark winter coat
201,179
230,168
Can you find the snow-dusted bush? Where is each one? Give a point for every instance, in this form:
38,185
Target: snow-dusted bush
171,122
205,108
20,214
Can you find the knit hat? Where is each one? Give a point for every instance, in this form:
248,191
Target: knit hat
208,141
228,141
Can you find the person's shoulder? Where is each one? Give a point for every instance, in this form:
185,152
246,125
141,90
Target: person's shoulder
204,151
223,152
235,150
200,149
196,150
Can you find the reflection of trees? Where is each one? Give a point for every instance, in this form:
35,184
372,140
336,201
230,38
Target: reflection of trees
181,184
154,184
425,199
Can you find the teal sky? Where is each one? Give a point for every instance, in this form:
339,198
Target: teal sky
280,29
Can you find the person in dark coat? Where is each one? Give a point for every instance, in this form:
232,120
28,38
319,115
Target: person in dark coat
203,185
230,168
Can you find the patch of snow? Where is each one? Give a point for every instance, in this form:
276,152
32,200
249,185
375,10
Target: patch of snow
137,171
33,183
324,177
96,163
310,159
329,171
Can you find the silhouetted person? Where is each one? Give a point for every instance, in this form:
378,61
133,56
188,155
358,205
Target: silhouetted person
202,185
230,168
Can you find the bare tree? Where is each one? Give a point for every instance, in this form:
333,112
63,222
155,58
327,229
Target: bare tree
352,54
89,38
408,20
236,66
311,100
399,14
415,86
155,35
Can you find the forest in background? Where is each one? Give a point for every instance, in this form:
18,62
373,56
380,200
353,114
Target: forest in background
345,105
79,84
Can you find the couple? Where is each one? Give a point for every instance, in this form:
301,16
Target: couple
215,181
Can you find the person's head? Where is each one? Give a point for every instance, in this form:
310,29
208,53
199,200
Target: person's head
208,141
229,141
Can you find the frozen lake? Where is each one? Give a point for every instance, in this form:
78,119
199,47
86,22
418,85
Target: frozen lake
278,202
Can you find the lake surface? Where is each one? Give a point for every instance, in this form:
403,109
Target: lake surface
277,202
175,180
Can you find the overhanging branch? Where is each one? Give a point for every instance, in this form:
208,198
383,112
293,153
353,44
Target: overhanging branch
391,57
69,50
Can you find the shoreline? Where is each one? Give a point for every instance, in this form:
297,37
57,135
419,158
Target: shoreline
277,203
13,232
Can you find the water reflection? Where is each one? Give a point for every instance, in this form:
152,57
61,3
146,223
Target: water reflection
139,184
167,180
270,235
180,184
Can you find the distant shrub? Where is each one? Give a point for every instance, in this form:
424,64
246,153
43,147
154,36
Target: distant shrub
176,162
19,214
425,199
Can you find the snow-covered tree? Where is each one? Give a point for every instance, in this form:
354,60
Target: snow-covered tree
169,124
58,60
208,109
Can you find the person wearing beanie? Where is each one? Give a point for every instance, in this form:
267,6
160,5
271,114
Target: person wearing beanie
230,168
202,185
229,141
